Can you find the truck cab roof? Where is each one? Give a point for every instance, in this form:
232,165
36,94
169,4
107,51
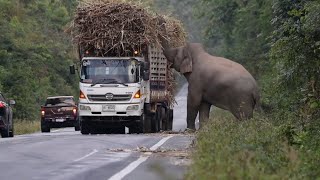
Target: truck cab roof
113,58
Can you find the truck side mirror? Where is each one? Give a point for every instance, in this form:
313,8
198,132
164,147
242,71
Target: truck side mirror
72,69
146,75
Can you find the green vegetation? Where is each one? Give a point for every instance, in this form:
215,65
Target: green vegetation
279,43
26,127
229,149
35,53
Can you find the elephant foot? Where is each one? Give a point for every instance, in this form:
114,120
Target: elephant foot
193,127
188,130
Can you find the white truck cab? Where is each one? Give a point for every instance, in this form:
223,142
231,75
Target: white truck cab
112,87
116,92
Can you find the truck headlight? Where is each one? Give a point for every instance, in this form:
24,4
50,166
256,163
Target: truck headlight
133,108
85,108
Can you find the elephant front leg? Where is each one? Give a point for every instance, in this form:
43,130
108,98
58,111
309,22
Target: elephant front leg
193,105
204,113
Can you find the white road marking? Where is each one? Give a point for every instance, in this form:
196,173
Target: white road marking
93,152
162,141
56,130
121,174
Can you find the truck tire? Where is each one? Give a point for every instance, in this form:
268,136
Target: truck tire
120,130
169,119
45,128
84,128
155,122
163,119
144,126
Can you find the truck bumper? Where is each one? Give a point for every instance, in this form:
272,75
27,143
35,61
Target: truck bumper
122,111
110,121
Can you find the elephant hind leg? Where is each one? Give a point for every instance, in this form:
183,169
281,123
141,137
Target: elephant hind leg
204,113
243,115
242,111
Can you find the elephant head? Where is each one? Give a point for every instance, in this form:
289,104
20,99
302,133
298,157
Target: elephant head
180,58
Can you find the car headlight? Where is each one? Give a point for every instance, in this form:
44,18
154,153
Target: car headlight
85,108
133,108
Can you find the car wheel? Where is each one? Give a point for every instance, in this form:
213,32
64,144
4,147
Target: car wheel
84,128
45,128
11,132
77,127
5,132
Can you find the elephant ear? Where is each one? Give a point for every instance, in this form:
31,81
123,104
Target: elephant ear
186,64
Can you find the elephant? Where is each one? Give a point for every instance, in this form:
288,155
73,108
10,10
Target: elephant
213,81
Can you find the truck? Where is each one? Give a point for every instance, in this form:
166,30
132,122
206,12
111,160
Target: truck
126,91
58,112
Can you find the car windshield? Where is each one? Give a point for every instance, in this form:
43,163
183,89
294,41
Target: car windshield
102,71
61,101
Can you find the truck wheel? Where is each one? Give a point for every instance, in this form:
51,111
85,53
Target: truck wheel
169,119
84,128
145,124
44,128
155,123
120,130
163,119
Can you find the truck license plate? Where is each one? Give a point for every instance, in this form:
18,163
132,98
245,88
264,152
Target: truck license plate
108,108
60,120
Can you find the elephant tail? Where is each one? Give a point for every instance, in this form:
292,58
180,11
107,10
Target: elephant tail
256,101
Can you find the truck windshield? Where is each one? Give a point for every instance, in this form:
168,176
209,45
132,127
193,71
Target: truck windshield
103,71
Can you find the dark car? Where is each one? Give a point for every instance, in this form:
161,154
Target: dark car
6,121
58,112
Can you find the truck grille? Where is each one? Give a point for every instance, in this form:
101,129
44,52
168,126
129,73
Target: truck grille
107,97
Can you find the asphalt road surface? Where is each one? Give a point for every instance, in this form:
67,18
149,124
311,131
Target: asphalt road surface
66,154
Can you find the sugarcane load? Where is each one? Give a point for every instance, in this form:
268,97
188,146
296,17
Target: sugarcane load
125,80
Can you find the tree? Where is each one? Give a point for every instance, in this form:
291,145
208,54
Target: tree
35,53
296,53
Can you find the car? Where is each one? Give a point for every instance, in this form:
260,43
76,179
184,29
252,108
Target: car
6,114
58,112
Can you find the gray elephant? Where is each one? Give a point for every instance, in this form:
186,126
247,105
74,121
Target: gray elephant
213,81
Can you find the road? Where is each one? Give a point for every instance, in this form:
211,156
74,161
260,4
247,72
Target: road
66,154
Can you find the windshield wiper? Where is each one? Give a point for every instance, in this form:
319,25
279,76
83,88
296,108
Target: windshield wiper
110,81
99,81
116,82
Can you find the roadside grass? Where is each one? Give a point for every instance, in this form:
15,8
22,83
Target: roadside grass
252,149
26,127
